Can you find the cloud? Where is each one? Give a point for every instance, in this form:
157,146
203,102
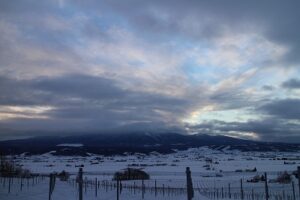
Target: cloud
269,129
291,84
277,120
79,86
268,87
155,64
206,21
77,101
14,92
285,108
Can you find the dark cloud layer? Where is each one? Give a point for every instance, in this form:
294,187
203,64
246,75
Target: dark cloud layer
291,84
283,109
88,101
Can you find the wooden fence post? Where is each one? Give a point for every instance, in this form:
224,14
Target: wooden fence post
229,192
121,186
85,185
189,184
242,190
298,169
293,187
266,187
80,183
9,182
21,186
51,184
155,187
117,188
143,189
96,187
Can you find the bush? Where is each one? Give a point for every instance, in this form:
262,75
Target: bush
131,174
9,169
63,176
284,178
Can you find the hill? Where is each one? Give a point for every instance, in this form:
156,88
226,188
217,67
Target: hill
109,144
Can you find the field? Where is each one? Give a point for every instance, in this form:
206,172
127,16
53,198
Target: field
216,174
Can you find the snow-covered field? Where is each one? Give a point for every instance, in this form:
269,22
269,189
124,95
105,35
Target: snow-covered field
213,171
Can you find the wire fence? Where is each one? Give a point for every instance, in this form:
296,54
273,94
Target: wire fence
100,185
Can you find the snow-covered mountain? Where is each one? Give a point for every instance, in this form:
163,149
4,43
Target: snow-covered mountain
109,144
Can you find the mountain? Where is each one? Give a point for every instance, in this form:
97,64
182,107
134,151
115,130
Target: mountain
109,144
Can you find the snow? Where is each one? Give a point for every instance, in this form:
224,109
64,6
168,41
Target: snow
70,145
210,169
67,190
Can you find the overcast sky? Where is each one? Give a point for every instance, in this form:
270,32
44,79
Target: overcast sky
215,67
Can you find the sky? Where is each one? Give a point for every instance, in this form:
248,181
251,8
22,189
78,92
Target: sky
188,66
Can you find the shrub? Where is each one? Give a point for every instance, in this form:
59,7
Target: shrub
131,174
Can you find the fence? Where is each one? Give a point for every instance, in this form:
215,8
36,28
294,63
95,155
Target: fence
249,191
86,186
134,186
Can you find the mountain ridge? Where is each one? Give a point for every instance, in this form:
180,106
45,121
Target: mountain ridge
142,142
